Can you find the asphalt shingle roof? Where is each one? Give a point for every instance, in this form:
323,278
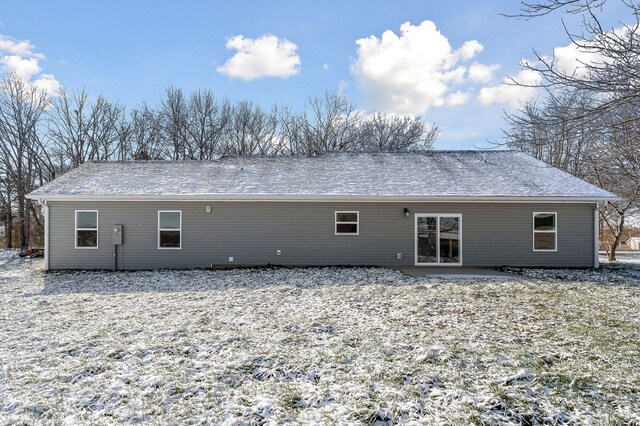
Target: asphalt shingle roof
433,174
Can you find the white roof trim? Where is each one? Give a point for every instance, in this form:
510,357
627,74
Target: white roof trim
312,198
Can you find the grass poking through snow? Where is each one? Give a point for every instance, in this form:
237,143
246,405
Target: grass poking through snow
317,346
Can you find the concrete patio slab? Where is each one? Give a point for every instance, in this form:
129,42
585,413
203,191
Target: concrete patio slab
464,272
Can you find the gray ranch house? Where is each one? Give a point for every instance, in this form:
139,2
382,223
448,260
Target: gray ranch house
451,208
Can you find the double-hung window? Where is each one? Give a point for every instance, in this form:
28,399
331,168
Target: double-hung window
545,231
86,233
347,223
169,229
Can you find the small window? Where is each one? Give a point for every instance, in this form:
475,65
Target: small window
347,223
544,231
169,229
86,229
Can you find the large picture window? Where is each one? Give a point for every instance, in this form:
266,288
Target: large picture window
169,229
86,229
347,223
545,234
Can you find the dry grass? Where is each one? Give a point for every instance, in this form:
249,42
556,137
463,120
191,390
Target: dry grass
315,346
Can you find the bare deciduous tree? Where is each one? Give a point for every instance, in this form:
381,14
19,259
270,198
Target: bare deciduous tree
610,70
617,168
206,125
545,7
336,125
21,107
173,118
292,132
82,130
551,133
251,131
145,136
40,138
398,133
603,150
589,122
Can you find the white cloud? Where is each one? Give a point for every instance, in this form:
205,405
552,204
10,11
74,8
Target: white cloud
21,48
456,75
482,73
470,49
266,56
20,58
24,68
326,67
342,87
571,59
457,98
508,92
49,84
413,71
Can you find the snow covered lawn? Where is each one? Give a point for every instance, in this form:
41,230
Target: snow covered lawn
326,345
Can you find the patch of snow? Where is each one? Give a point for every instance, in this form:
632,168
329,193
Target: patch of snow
9,258
625,270
315,346
521,377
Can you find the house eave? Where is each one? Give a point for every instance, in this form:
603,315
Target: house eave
43,198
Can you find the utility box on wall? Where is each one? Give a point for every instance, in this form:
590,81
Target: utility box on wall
116,235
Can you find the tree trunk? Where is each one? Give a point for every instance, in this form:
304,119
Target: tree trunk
612,251
9,223
616,238
22,222
27,226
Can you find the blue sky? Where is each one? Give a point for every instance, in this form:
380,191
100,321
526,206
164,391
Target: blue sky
442,60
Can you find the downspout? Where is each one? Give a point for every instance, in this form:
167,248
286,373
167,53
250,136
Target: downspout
45,210
596,233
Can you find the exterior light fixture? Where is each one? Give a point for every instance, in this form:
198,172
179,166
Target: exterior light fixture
406,212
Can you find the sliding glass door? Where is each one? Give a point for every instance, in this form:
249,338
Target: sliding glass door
438,239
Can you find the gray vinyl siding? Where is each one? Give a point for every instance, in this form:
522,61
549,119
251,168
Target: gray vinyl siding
251,232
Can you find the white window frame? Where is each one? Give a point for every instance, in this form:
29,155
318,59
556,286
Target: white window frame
167,229
357,222
75,234
555,232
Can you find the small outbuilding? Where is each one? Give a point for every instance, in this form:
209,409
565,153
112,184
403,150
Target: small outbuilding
633,243
436,208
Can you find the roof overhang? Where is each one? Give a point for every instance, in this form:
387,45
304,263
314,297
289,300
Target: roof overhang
43,198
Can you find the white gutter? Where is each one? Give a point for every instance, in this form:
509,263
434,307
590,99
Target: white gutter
316,198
